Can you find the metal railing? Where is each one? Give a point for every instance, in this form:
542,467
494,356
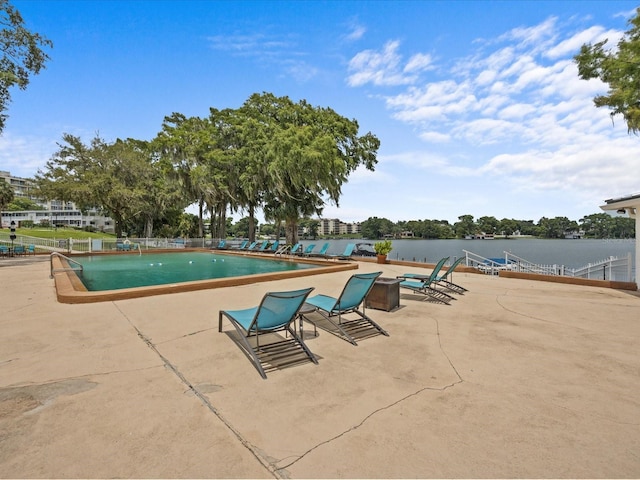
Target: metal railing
490,266
70,261
612,268
519,264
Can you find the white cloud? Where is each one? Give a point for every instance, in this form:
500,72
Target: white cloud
22,156
596,165
497,60
490,105
431,114
535,38
517,109
419,62
362,175
301,71
488,131
435,137
378,67
572,45
486,77
254,44
448,96
432,162
627,14
356,32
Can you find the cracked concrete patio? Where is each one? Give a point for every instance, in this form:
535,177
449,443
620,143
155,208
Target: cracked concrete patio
516,378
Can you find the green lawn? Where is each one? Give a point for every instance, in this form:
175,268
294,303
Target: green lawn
56,233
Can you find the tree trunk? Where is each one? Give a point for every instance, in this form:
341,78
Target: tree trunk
222,221
148,227
212,225
291,231
252,225
118,225
200,221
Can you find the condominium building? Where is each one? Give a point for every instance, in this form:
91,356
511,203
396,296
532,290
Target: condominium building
334,226
53,212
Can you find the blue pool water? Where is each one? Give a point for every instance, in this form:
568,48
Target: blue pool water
113,272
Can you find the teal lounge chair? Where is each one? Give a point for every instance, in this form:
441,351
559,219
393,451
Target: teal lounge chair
346,255
19,250
322,252
262,247
277,312
296,249
448,273
307,251
352,296
424,284
267,247
4,251
287,249
252,246
222,244
243,245
31,250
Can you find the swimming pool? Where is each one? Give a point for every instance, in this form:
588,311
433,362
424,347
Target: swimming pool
107,277
113,272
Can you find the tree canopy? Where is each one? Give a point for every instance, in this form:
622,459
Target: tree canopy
21,55
272,153
619,68
6,197
307,154
123,179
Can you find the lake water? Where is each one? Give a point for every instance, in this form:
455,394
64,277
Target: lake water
570,253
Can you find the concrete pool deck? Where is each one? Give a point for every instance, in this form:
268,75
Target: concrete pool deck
516,378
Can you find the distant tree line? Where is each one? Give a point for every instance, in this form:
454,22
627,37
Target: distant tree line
597,225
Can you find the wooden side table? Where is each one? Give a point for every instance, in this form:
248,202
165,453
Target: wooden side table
385,294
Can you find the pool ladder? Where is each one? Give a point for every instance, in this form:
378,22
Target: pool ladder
67,269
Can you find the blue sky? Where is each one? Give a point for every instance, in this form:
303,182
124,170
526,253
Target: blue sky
477,104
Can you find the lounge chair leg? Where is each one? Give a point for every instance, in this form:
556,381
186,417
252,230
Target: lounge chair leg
343,334
303,345
246,345
368,319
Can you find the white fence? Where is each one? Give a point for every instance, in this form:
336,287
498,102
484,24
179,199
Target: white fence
490,266
612,268
69,245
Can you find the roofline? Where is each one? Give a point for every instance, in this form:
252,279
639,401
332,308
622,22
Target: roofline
623,199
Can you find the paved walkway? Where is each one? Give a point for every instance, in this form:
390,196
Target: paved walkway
514,379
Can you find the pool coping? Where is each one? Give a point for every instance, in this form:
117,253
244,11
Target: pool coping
70,289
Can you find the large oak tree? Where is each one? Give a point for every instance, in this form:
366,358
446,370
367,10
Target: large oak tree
305,155
122,179
619,68
21,55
